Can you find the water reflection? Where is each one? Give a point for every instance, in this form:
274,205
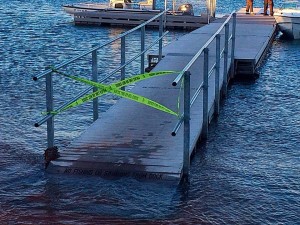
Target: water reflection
246,173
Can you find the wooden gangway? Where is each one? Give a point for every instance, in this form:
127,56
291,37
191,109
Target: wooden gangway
131,139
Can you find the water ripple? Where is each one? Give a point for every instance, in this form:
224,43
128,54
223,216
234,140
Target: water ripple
247,172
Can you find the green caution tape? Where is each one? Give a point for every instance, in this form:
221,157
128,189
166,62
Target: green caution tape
114,88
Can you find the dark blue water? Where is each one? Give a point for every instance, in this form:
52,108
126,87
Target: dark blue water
248,171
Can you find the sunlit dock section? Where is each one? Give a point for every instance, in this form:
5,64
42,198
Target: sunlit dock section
131,139
255,34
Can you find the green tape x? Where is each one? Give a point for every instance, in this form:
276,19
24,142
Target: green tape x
115,89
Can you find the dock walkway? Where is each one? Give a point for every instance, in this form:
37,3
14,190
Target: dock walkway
131,139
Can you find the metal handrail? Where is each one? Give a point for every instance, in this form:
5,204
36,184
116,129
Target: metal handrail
43,74
44,119
207,73
49,116
135,57
191,62
188,66
48,73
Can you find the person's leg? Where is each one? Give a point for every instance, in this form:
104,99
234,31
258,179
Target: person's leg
270,3
265,7
247,6
251,6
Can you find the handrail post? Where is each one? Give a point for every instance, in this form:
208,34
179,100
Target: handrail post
233,45
217,75
49,107
123,59
142,49
160,35
95,79
225,77
186,119
205,95
165,20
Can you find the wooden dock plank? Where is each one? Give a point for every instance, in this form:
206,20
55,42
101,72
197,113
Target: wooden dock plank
131,139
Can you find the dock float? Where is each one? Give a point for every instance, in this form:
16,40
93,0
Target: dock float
131,139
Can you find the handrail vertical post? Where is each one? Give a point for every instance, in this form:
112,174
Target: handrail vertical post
95,79
217,75
205,95
123,59
233,45
160,35
186,138
165,19
225,77
49,106
142,49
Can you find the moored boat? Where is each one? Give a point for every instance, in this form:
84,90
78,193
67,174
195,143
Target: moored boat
126,5
288,19
71,9
129,13
113,4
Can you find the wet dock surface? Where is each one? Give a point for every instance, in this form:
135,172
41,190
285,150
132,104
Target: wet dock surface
131,139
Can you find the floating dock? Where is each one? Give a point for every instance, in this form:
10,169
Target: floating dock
130,17
131,139
255,34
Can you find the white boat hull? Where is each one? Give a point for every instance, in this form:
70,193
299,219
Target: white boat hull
79,7
288,19
289,26
113,4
